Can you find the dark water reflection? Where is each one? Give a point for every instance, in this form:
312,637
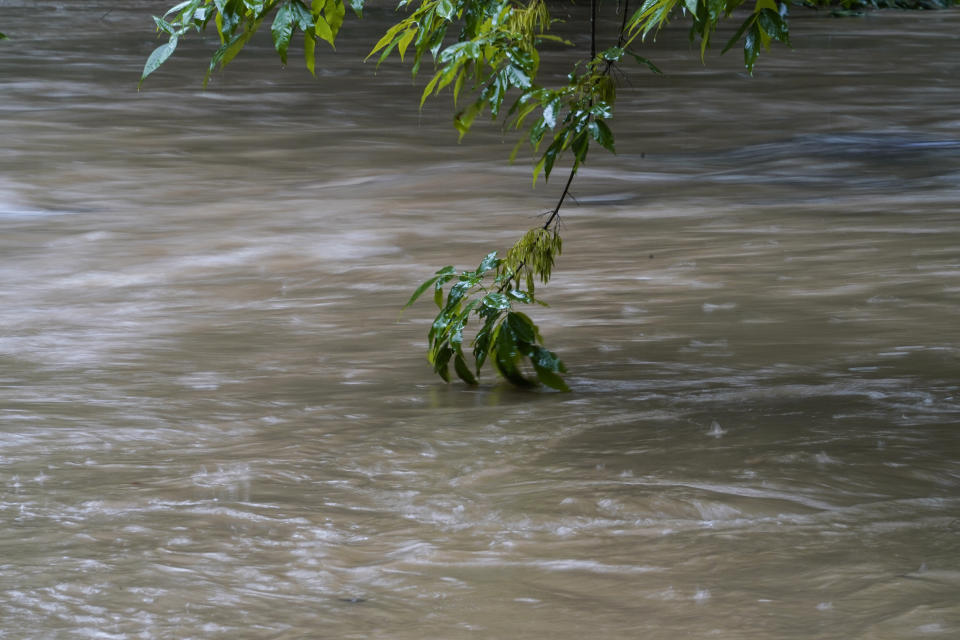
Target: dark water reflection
213,424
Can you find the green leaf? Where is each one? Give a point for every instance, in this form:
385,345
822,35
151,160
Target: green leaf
581,144
527,319
774,24
496,300
3,36
748,23
441,362
157,58
404,42
324,31
602,134
505,356
490,261
416,294
546,359
550,113
641,60
521,327
310,52
614,54
334,13
282,30
357,6
520,296
464,120
389,37
445,9
751,47
430,86
463,371
550,379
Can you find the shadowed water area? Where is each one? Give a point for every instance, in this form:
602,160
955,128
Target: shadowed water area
215,424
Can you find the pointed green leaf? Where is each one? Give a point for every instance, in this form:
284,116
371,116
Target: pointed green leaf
404,42
389,37
282,30
463,371
310,52
645,61
505,356
158,57
441,362
521,327
490,261
324,32
550,379
603,135
430,86
416,294
334,13
445,9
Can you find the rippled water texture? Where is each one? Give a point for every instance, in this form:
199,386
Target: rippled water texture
215,424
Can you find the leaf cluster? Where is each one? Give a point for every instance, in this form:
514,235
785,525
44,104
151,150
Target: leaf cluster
507,338
237,20
495,58
766,23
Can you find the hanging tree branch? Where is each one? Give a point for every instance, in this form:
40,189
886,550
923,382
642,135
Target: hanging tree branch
494,58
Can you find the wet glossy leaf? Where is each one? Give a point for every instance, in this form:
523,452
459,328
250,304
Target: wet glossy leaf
550,379
496,301
334,12
546,359
490,261
645,61
282,30
463,371
602,134
445,9
521,327
739,33
419,291
157,58
442,361
310,52
402,45
505,358
323,30
520,296
613,54
774,25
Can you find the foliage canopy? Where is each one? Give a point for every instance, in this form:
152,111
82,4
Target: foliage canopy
486,54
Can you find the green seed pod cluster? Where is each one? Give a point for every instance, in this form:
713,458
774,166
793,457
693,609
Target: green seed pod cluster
533,255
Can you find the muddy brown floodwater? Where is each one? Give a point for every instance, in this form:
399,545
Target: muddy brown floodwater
214,425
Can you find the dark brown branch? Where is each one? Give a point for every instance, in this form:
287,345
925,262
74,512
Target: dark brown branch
556,210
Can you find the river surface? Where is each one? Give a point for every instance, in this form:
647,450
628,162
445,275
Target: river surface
214,423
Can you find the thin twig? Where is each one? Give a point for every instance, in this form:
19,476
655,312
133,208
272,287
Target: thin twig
566,190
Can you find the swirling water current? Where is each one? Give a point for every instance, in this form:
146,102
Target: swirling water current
214,422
